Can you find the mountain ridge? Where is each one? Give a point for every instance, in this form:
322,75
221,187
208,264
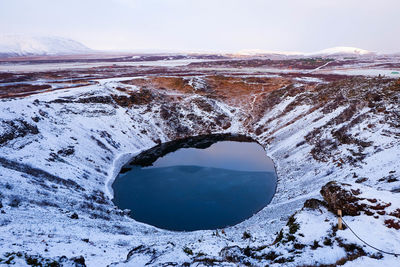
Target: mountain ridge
21,45
333,51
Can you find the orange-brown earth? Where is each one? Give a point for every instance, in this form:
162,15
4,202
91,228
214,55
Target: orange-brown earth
236,91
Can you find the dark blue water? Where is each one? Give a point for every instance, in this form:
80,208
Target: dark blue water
193,189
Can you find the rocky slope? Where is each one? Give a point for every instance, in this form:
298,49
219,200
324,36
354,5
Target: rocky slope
61,149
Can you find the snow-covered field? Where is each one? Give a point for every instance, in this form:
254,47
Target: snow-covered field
61,150
17,68
393,73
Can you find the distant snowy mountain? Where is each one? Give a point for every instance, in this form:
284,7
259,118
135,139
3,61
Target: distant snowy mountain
18,45
344,50
254,52
334,51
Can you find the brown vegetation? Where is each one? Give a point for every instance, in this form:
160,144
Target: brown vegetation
22,90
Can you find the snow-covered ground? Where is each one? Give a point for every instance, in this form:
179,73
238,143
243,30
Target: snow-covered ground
60,151
32,67
393,73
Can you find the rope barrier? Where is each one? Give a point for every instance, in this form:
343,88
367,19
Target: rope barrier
380,250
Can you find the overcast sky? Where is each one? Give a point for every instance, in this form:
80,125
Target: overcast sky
210,25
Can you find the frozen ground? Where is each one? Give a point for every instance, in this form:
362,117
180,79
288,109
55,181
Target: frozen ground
23,67
60,151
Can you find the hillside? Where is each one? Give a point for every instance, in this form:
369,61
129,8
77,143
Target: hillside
64,135
333,51
18,45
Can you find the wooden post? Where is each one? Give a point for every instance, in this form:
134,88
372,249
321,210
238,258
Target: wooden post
339,213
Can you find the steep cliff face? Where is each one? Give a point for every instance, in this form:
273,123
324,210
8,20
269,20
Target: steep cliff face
60,151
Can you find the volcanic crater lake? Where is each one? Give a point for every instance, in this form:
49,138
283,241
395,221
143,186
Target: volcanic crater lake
196,189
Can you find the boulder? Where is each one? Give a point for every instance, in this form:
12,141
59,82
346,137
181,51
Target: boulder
338,197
